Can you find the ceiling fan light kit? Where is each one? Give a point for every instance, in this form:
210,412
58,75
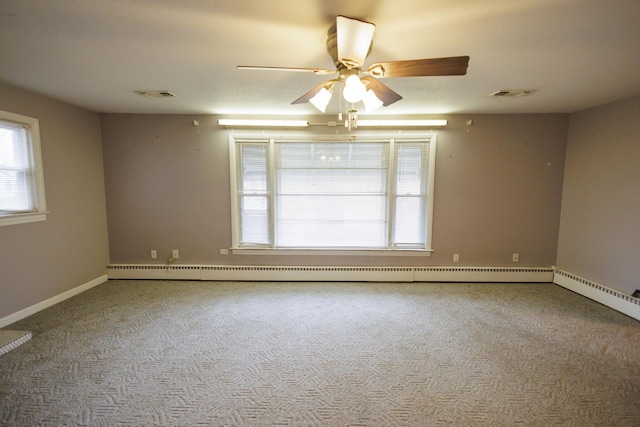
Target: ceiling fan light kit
371,101
354,89
348,44
321,99
353,41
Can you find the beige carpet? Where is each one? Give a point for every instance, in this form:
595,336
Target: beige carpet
153,353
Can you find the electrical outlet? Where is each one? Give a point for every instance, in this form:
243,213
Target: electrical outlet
175,254
516,257
456,257
154,254
224,251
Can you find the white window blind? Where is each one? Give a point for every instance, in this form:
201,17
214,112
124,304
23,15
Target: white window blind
21,186
17,184
305,194
331,195
410,195
253,194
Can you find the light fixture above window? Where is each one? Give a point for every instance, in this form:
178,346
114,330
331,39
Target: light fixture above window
401,123
262,123
351,122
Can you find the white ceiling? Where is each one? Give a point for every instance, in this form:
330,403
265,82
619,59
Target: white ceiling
94,53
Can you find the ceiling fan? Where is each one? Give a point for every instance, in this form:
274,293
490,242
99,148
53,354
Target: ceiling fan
349,43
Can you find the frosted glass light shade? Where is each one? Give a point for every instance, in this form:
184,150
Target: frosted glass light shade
321,99
371,102
354,40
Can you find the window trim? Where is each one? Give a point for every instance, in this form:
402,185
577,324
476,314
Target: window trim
263,137
40,213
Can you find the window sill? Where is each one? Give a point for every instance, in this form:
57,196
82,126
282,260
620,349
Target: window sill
335,252
22,218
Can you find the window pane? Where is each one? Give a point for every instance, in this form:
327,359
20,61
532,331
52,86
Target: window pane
331,221
17,185
254,220
331,181
14,146
331,194
253,160
14,191
409,221
411,163
412,160
331,155
253,197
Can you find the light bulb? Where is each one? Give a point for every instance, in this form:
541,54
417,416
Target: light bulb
354,89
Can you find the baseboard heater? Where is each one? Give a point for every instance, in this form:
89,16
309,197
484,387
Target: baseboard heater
604,295
10,340
335,274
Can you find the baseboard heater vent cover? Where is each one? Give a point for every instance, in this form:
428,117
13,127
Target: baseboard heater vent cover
330,273
604,295
10,340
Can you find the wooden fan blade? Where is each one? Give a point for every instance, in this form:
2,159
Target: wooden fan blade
321,71
307,96
450,66
383,92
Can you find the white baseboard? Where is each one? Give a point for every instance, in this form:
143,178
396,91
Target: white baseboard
5,321
606,296
329,273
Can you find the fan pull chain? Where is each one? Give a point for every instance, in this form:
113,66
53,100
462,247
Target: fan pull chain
340,108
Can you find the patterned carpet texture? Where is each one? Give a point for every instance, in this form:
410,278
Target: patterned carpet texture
156,353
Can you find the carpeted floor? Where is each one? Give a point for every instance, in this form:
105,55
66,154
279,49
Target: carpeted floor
154,353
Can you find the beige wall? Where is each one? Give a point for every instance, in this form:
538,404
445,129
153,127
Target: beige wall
41,260
498,191
599,235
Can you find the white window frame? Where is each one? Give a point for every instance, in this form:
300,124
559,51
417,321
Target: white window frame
262,137
32,125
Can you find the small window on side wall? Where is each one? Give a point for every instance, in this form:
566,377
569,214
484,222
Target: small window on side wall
21,179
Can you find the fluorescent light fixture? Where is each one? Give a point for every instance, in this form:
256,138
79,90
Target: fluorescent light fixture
263,123
401,123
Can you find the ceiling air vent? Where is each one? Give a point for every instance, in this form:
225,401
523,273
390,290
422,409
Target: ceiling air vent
511,93
156,93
